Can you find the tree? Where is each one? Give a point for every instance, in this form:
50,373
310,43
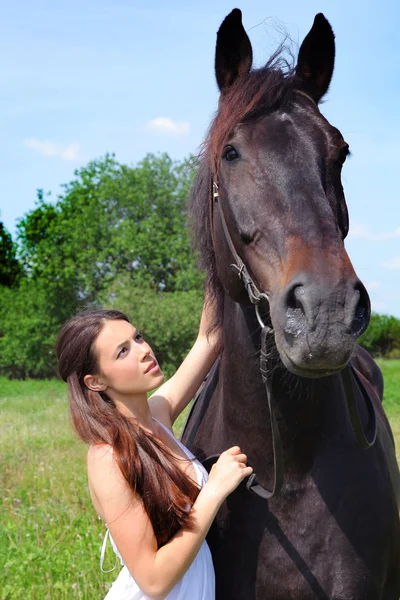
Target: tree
116,234
10,269
27,331
113,219
382,337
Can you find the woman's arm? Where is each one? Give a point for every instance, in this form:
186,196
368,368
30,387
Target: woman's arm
181,387
157,571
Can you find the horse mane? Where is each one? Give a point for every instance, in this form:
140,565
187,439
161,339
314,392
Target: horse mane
259,92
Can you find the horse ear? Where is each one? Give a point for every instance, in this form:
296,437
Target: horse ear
233,55
316,59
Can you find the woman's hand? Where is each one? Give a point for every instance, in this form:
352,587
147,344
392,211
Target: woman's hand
228,472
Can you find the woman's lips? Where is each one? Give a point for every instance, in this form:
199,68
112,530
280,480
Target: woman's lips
152,368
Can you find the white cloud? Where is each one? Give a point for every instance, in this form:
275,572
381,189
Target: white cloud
46,148
393,264
363,233
71,152
167,126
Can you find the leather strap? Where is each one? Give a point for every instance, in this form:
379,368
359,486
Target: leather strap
349,374
238,266
252,484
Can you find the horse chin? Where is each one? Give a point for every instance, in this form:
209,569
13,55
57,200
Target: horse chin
313,369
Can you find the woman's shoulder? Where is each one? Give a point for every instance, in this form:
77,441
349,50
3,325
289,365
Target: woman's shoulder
99,453
105,477
101,463
110,493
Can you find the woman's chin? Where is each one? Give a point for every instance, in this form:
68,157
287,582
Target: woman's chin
158,379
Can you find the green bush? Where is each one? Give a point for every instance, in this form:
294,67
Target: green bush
382,337
28,328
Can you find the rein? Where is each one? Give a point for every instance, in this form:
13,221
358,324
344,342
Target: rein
348,374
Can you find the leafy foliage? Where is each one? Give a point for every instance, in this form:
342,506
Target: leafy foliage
10,269
28,326
382,337
114,229
113,219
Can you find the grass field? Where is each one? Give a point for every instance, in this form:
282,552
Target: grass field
50,537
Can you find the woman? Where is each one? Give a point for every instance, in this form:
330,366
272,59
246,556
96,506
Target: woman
156,499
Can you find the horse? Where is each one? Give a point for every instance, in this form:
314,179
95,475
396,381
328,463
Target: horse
269,220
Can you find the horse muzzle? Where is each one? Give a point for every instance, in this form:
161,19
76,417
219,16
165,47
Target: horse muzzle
317,325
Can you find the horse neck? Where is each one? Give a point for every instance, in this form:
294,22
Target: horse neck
308,410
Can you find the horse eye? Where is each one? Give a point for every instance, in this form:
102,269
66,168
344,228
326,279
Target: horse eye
247,238
230,153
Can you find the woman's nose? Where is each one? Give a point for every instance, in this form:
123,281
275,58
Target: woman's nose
145,351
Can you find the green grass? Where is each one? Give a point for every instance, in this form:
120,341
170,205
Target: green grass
391,401
50,537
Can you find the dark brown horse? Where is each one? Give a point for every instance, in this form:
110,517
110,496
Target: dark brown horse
333,530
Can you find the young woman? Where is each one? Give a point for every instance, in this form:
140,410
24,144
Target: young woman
156,499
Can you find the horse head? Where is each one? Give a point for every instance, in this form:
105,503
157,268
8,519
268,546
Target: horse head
278,163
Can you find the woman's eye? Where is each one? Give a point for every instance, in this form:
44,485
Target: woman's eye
230,154
138,336
122,351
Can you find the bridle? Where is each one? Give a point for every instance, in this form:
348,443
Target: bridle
255,297
347,374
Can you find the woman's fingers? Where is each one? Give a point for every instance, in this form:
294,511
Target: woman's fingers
241,457
234,450
237,454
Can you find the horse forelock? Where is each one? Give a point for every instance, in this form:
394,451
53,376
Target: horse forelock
259,92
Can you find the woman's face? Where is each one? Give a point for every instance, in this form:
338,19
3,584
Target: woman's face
125,360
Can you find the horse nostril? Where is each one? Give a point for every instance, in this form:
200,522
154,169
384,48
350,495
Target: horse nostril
295,312
359,322
299,297
295,298
362,311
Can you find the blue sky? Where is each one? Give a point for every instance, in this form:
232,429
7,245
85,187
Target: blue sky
79,79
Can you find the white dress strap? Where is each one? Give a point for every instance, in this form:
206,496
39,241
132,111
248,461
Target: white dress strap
103,553
199,468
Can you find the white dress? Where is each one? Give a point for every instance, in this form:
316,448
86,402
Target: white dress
198,583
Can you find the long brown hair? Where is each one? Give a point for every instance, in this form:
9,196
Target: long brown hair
148,466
